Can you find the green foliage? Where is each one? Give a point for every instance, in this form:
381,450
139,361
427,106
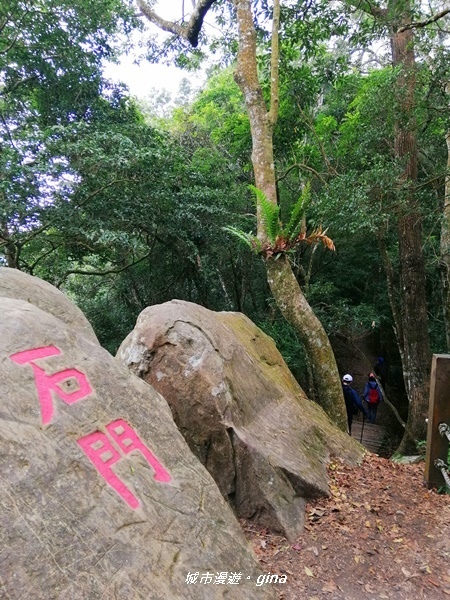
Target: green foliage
88,186
289,345
247,238
269,215
280,238
295,223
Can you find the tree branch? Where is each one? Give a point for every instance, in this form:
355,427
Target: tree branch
368,7
108,271
274,66
189,32
32,267
301,166
331,170
432,19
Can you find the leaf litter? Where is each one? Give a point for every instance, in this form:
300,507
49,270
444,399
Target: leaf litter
379,535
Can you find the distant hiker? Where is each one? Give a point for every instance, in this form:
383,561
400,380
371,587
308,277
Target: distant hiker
373,396
353,402
380,370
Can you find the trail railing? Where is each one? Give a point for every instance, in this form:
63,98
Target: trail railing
438,435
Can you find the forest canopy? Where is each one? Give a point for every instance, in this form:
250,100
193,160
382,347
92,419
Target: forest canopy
122,208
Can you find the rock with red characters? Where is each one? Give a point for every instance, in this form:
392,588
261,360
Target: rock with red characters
101,496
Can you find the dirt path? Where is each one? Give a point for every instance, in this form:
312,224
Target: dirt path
380,535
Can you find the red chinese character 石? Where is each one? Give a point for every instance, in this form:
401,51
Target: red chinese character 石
46,384
102,453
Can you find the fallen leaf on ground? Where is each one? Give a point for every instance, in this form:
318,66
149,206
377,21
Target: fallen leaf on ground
406,573
309,572
329,587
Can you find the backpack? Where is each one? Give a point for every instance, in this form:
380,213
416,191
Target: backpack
373,395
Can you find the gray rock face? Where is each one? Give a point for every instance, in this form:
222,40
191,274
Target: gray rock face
101,497
239,408
19,285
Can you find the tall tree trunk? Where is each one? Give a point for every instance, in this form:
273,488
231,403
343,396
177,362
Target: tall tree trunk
286,291
445,245
416,344
285,288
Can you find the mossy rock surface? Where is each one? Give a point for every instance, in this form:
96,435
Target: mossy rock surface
239,408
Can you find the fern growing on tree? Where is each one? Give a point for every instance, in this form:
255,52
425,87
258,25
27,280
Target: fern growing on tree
281,238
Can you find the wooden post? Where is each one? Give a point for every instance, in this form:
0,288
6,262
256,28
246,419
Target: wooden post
438,412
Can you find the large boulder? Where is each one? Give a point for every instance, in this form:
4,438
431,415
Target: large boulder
239,408
19,285
101,496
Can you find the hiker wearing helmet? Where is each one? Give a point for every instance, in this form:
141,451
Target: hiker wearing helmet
373,396
353,402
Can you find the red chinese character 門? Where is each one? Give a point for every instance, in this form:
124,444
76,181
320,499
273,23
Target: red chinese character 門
46,384
102,453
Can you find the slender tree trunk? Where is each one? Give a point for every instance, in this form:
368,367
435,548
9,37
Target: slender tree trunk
414,317
285,288
445,245
295,309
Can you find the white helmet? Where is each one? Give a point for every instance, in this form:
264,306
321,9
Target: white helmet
347,378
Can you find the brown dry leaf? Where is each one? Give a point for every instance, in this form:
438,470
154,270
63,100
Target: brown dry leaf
357,558
281,549
309,572
398,541
406,573
367,524
329,587
369,589
335,491
446,591
263,544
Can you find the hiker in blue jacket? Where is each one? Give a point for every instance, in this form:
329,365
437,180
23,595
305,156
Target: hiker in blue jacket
380,370
373,396
353,402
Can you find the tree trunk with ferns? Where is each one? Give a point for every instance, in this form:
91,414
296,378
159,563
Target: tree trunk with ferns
285,288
